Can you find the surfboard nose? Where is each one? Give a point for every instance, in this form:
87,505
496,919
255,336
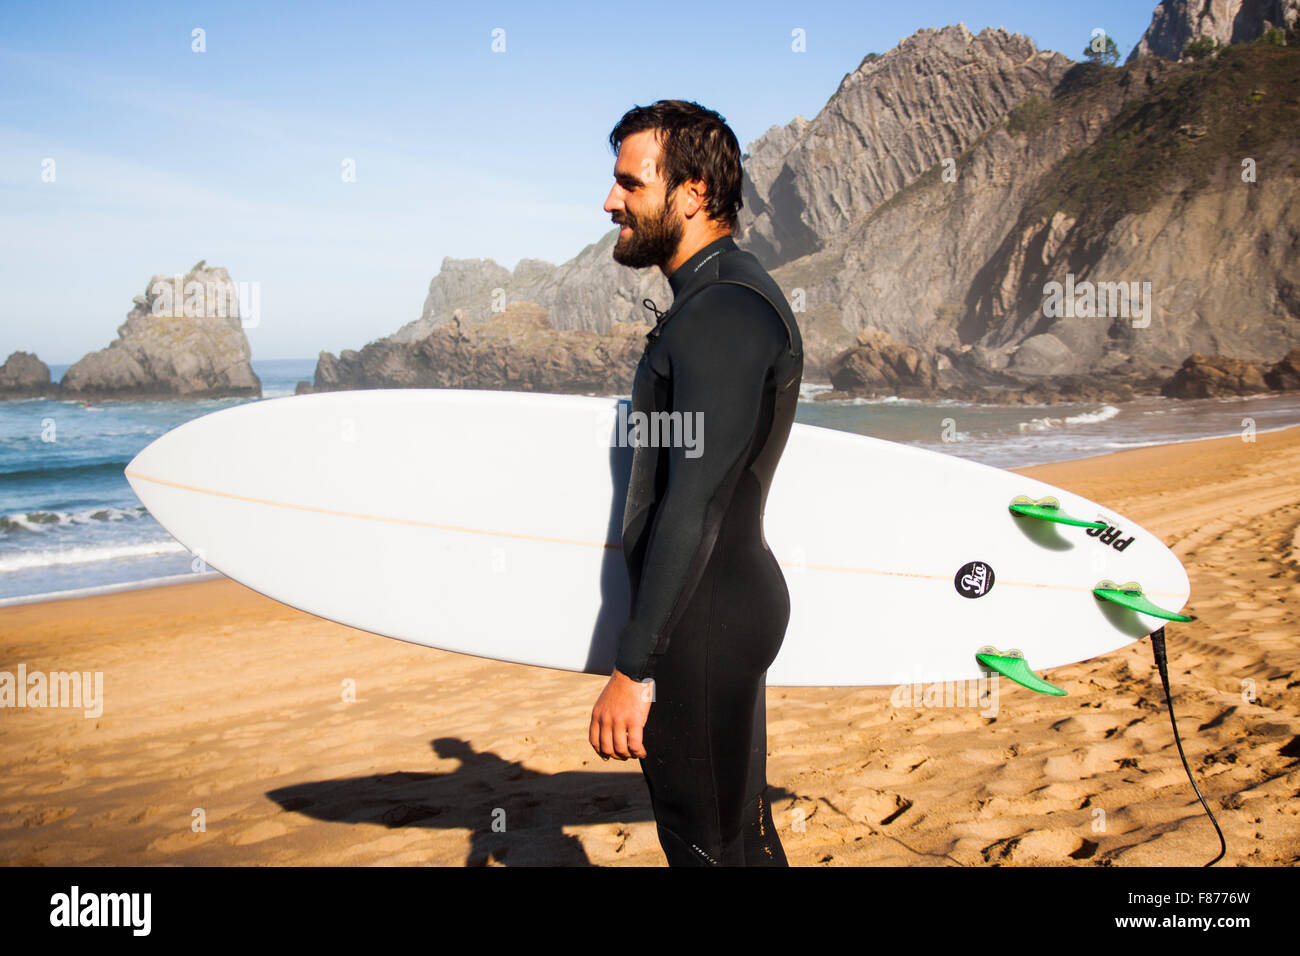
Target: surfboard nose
147,462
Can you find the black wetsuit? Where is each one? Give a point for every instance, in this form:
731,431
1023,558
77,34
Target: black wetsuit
709,603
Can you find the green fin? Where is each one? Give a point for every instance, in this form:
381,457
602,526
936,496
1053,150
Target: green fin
1013,665
1049,509
1130,595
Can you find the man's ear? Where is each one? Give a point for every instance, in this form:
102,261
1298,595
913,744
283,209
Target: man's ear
696,190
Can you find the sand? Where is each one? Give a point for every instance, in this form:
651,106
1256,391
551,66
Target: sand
236,730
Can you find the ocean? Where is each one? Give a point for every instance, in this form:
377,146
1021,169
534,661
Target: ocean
70,524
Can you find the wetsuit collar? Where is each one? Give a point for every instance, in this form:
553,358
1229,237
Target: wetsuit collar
693,269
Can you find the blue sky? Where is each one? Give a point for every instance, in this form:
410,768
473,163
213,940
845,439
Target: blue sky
164,156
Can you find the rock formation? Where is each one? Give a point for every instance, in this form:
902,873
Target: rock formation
892,119
1285,375
590,291
1216,376
23,375
182,339
1176,23
517,349
881,365
1213,376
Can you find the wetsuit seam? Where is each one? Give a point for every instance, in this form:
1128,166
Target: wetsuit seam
712,509
708,715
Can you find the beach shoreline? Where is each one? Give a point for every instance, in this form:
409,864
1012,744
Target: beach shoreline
237,730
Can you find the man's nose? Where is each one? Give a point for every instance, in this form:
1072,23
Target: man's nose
612,201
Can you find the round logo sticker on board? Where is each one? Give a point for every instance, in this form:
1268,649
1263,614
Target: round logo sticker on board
974,579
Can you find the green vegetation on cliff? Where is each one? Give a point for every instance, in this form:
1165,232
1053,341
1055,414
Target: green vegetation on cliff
1201,121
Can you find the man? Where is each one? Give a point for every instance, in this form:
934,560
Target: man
709,603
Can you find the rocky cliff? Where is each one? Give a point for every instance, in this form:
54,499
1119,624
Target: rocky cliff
1131,176
182,339
517,349
1176,23
892,119
591,291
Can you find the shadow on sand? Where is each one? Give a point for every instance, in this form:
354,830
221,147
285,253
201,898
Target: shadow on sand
515,815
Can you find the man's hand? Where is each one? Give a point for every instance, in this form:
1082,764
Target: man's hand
619,717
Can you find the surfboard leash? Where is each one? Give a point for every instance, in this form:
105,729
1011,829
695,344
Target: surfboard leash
1162,664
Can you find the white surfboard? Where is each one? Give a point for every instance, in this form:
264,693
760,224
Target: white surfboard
488,523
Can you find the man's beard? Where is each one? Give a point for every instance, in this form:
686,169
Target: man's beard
654,240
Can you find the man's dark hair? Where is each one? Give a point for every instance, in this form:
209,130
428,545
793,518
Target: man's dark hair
696,143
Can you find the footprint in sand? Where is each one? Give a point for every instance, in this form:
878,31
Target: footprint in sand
266,830
149,814
1039,847
33,816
